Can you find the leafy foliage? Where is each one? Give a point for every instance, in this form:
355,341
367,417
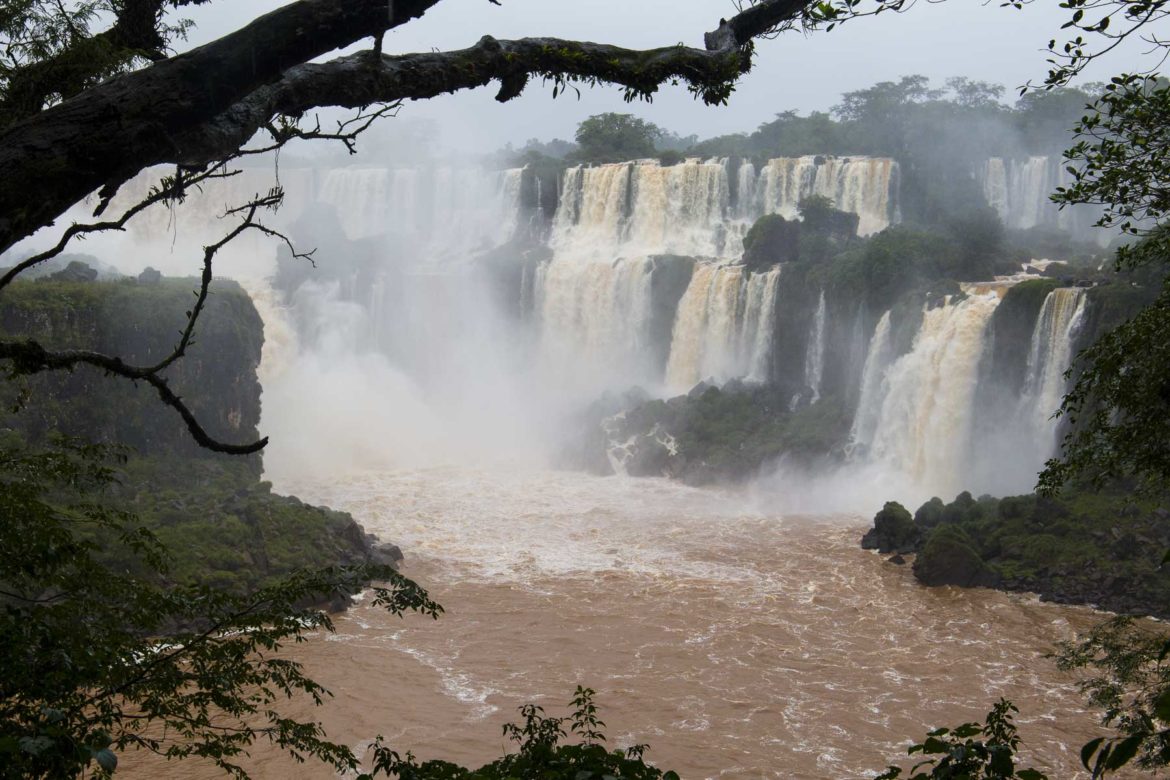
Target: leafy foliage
541,754
1130,681
970,751
1119,163
84,670
1119,406
49,52
606,138
1086,546
1119,402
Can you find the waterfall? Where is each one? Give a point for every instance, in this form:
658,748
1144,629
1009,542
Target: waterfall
814,356
597,315
759,324
924,424
877,360
1048,358
362,199
1019,190
420,206
613,220
595,295
994,177
745,188
723,327
865,186
643,208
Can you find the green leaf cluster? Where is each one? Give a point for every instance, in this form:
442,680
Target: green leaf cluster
541,753
972,750
97,660
1129,680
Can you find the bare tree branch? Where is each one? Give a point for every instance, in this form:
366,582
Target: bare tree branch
170,190
28,356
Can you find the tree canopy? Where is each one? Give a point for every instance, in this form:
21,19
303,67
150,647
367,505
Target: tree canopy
616,137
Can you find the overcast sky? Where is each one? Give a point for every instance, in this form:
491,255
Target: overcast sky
954,38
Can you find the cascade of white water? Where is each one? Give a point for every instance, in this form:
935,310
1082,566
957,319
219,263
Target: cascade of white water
995,187
1048,358
1019,190
594,295
679,210
597,315
759,323
861,185
362,198
617,216
723,327
869,404
637,209
590,221
814,356
420,206
923,428
745,190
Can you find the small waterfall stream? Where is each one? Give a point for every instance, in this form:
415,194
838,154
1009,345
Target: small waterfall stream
814,357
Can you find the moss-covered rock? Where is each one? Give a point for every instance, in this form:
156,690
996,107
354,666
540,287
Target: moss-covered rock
1099,548
225,529
140,323
949,558
222,525
1011,328
714,434
929,514
772,239
893,530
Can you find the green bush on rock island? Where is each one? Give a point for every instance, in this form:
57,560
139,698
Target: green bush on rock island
1103,549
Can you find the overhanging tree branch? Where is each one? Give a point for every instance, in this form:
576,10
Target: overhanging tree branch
28,356
200,109
106,134
195,107
355,80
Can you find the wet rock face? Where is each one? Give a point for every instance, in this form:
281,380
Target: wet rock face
716,435
225,528
138,321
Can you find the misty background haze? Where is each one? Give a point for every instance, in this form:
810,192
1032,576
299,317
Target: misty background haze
981,41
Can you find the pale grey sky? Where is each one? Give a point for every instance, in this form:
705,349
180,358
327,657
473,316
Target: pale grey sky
954,38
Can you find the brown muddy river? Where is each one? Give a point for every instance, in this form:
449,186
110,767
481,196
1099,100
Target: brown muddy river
736,642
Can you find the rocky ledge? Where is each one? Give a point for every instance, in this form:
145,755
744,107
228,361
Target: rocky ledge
1099,549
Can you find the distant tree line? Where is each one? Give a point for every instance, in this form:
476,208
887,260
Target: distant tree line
938,135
